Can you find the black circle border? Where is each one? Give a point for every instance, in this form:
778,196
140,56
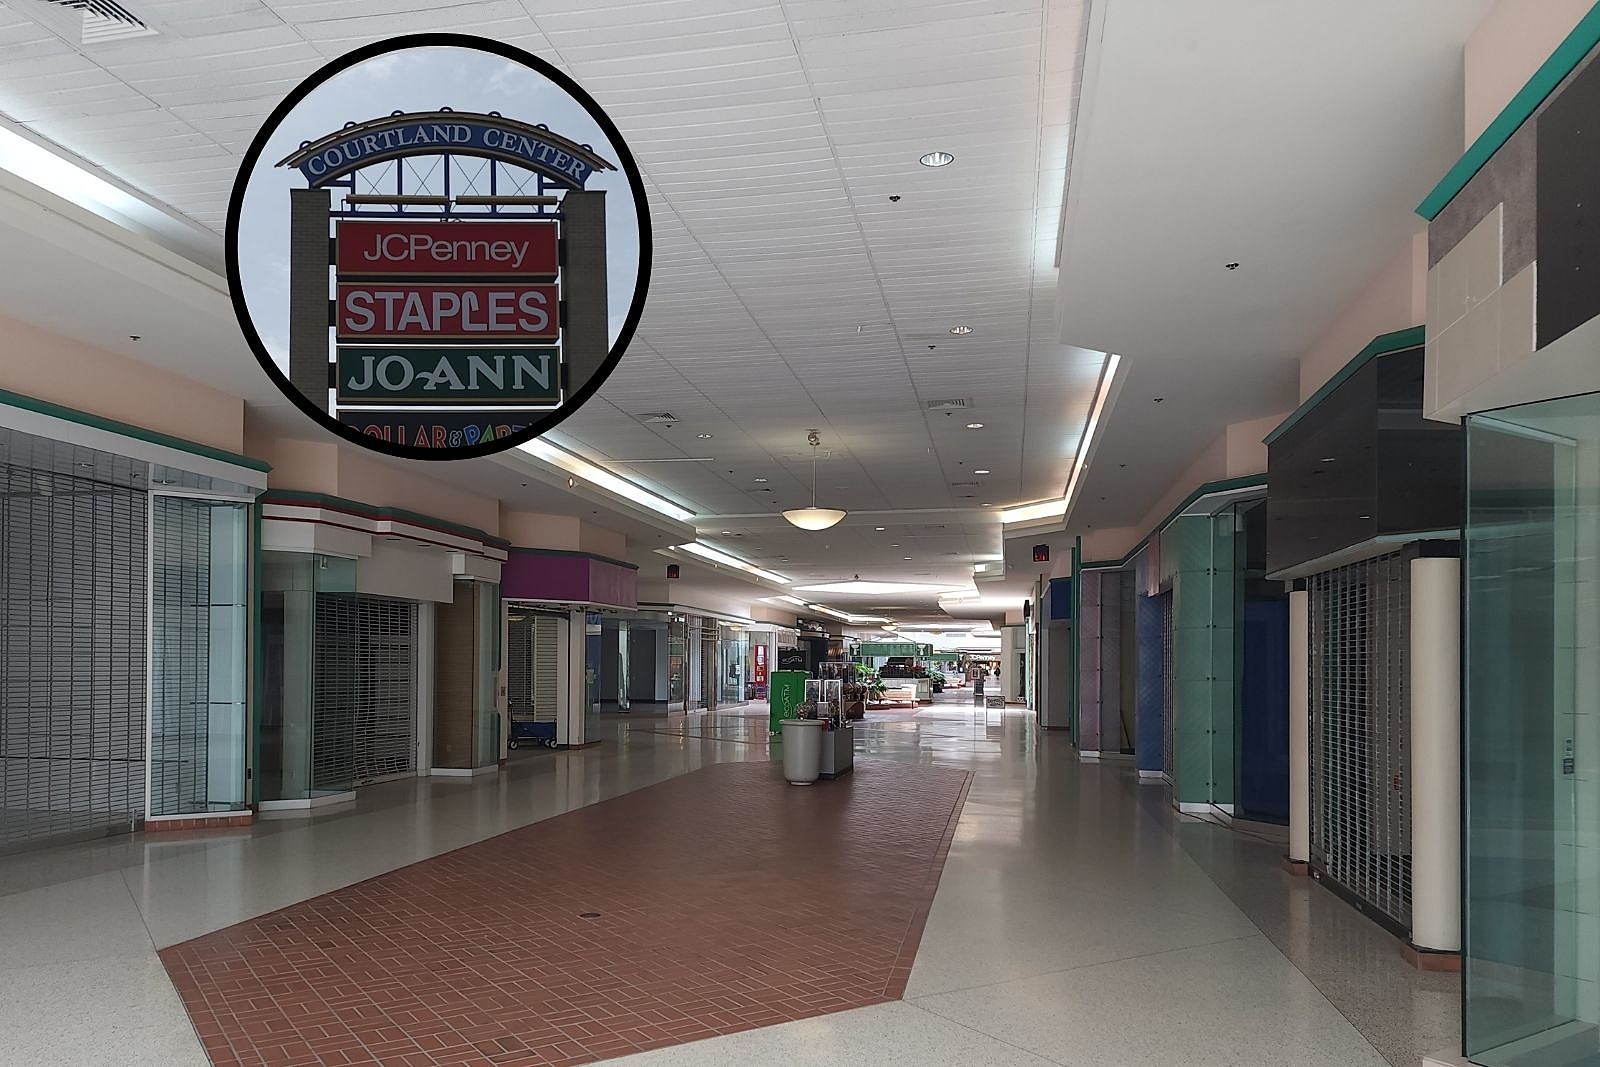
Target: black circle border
625,161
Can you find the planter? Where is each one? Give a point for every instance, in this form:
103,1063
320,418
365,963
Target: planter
838,752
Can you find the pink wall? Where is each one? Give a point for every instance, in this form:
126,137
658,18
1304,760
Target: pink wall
1396,298
50,367
601,541
373,481
306,466
531,530
1511,42
527,529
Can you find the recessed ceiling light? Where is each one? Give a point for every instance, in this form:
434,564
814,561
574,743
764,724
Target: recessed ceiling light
937,158
705,436
974,425
980,470
760,479
986,505
878,528
725,533
961,331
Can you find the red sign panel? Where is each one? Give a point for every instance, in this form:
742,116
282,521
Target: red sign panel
524,249
397,311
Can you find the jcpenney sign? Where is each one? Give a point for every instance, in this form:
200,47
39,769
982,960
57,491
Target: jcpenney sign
526,250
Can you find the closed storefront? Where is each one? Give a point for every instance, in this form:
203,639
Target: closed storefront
124,630
1360,733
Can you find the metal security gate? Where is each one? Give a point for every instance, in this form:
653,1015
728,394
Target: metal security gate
701,635
533,680
72,654
1166,685
1360,733
364,719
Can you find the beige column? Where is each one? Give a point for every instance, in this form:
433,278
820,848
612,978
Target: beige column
1436,754
1299,728
569,716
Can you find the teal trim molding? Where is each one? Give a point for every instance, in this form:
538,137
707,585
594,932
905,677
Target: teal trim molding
127,429
1386,344
300,498
1222,485
1579,43
257,672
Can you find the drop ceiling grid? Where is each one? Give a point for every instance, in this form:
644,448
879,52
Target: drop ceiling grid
772,135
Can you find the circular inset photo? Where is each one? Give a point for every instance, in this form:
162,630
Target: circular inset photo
438,246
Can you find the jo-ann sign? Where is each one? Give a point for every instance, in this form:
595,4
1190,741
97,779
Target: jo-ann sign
452,303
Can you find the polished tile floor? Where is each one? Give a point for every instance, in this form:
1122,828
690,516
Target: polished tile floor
1077,920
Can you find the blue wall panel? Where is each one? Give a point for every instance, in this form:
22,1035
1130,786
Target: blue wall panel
1264,712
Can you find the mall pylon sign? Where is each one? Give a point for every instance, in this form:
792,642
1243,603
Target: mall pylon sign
455,309
448,268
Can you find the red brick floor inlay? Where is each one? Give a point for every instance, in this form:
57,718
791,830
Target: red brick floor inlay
726,900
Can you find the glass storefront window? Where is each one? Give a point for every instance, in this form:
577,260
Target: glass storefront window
733,645
1531,720
488,644
299,724
677,663
199,682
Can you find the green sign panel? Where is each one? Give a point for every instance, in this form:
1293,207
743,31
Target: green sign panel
895,648
487,374
787,691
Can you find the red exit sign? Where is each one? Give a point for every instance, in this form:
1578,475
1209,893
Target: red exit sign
522,249
1041,553
396,311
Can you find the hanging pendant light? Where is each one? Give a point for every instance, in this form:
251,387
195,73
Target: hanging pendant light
814,518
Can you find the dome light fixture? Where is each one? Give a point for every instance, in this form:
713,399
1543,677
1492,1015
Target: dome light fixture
937,158
814,518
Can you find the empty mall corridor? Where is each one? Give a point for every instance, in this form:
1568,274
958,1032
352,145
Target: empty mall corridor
1076,920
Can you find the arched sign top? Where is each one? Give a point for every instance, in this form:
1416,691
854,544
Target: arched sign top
465,133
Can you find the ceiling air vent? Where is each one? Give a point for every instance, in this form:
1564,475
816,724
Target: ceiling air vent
657,418
93,21
948,405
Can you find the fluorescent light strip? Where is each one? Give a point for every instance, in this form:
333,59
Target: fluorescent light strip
1112,361
589,472
1045,509
705,551
37,164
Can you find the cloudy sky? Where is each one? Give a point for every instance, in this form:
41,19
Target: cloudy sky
418,79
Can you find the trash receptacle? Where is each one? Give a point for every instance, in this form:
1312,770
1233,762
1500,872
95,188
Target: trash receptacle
802,750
